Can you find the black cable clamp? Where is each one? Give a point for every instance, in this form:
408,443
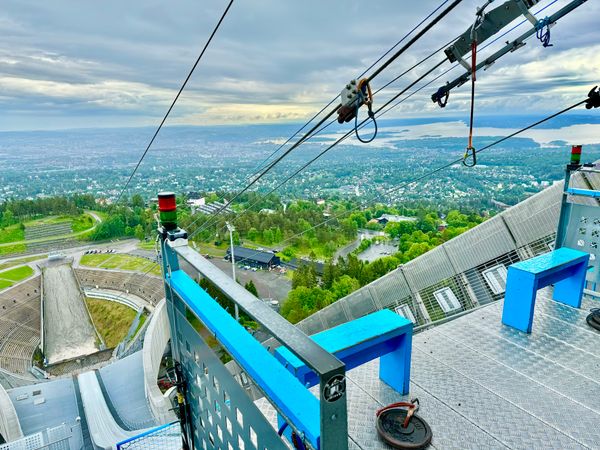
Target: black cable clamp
593,100
441,96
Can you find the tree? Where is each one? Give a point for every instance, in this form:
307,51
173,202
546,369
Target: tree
137,201
344,286
139,232
329,274
305,276
250,287
303,301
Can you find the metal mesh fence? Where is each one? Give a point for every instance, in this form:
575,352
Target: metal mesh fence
166,437
468,271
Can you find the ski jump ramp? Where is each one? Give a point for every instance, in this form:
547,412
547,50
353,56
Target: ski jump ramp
106,433
67,329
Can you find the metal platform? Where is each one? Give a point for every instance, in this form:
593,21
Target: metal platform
483,385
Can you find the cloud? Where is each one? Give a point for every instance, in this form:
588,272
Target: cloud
271,61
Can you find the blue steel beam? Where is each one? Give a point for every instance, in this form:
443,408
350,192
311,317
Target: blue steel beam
294,401
584,192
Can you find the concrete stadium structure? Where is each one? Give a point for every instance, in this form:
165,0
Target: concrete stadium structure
146,286
20,326
445,283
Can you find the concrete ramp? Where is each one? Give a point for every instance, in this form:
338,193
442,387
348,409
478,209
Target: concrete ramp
67,329
104,430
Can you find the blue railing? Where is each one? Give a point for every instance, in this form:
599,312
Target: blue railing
164,437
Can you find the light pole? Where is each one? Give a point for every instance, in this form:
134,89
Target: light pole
232,255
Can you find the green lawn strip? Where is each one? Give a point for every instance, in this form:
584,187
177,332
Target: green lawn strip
13,233
134,263
10,249
17,274
112,319
94,260
112,262
143,319
5,284
82,222
18,262
150,245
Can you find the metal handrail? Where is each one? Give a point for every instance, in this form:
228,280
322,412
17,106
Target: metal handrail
310,353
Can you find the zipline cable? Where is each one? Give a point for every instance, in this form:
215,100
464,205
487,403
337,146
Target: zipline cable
405,47
431,172
261,164
212,35
473,154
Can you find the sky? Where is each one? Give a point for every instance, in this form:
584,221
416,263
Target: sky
73,64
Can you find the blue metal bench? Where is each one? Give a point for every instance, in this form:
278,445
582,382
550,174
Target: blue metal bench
565,268
383,334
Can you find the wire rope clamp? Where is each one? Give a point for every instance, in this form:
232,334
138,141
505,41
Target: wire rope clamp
353,96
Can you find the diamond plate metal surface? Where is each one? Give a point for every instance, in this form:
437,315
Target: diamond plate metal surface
483,385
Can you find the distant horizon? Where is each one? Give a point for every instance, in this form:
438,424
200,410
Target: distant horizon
576,114
120,65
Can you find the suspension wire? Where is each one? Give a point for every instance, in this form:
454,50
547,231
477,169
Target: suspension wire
360,126
213,219
405,47
474,154
428,174
261,164
212,35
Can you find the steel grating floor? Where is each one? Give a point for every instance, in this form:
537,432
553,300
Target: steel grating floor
483,385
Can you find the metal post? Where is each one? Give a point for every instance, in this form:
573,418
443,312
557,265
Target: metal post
334,413
565,206
232,255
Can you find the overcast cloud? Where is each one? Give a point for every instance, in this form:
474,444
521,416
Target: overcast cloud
68,63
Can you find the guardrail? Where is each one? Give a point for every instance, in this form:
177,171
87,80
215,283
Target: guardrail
211,389
164,437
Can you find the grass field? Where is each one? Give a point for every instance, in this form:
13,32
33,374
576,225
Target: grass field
17,274
15,233
18,262
121,262
149,245
13,248
112,319
12,276
82,223
12,233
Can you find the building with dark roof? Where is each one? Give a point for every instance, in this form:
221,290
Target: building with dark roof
252,257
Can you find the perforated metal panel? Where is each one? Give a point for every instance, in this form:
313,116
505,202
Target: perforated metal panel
223,415
487,241
334,314
535,217
360,304
390,289
583,233
428,269
312,324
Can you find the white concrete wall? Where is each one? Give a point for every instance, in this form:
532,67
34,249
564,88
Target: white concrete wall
10,427
155,342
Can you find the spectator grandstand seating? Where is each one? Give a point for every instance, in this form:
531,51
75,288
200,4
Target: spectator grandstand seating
19,326
146,286
47,230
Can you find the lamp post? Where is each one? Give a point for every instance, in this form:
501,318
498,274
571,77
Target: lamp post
232,255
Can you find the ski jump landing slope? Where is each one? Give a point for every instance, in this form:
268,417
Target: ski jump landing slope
67,329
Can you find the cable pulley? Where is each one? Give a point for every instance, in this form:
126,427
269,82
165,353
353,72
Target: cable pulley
353,97
593,100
